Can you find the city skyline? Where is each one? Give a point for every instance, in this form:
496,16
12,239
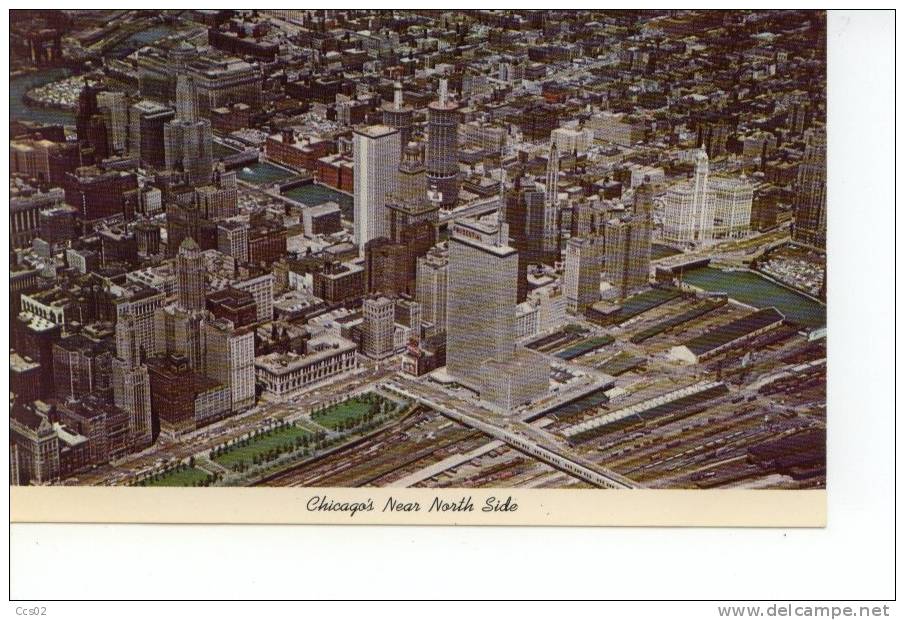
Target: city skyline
491,248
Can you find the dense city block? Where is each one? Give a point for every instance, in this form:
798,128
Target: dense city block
484,248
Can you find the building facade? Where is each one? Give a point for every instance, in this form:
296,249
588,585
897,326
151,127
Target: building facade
284,374
376,152
378,327
809,202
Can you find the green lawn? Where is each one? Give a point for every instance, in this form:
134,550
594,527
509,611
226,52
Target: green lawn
181,478
262,444
352,409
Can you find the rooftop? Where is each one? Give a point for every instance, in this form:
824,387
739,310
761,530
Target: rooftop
733,331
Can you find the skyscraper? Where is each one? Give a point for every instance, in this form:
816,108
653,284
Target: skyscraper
412,178
87,107
480,318
190,276
188,140
378,327
481,327
581,277
131,385
627,245
146,132
732,200
115,109
89,122
809,202
431,287
376,155
230,359
533,229
442,159
398,116
688,216
553,175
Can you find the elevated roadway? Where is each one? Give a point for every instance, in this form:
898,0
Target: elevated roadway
532,441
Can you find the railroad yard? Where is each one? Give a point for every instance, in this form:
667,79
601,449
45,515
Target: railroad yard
663,424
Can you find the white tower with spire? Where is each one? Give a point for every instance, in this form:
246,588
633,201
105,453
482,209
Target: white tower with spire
702,205
397,96
553,175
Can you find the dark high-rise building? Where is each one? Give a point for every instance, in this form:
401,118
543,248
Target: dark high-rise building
266,242
537,121
64,159
392,261
809,202
100,193
340,283
527,211
386,267
237,306
80,366
147,238
89,122
442,159
35,338
146,140
97,137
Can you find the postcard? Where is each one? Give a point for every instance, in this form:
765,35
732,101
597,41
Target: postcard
483,267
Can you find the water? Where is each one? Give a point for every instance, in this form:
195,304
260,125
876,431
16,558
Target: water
141,38
755,290
20,111
315,194
263,173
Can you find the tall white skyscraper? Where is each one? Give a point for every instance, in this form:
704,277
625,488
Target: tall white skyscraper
481,297
732,200
376,153
481,322
703,210
809,202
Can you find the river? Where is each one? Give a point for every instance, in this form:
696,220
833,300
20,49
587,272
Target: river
19,110
755,290
141,38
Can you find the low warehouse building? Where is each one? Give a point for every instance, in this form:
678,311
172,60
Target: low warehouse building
727,336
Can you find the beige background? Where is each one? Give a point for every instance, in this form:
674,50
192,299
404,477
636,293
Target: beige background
758,508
